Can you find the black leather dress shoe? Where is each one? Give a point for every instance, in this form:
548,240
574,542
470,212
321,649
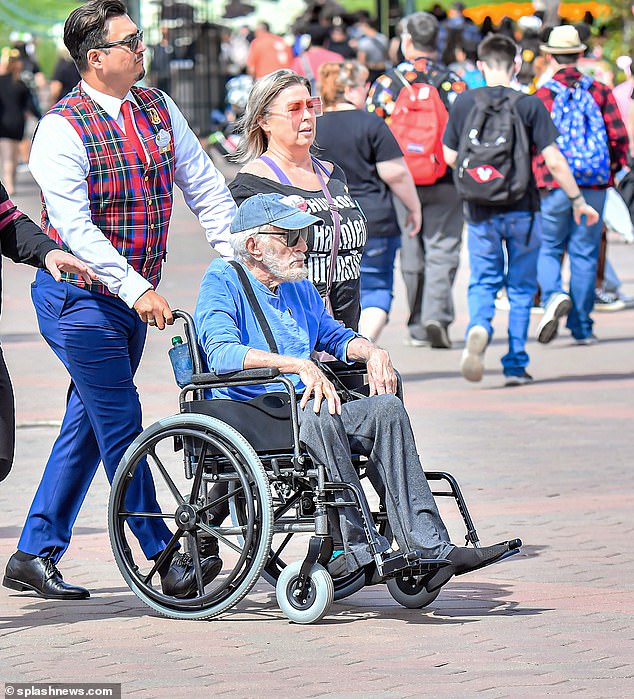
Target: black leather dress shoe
180,579
40,575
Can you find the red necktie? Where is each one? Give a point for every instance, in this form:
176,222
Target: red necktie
130,130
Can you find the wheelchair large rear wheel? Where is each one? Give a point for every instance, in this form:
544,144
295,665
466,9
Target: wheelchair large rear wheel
179,459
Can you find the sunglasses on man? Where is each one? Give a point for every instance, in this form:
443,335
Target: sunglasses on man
292,237
132,42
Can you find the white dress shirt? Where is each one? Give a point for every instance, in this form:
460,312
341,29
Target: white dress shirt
59,164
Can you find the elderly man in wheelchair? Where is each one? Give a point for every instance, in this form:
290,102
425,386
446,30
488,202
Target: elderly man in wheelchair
258,321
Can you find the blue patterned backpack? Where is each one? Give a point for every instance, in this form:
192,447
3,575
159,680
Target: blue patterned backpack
584,139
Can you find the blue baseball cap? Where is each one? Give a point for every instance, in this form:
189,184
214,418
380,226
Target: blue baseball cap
275,210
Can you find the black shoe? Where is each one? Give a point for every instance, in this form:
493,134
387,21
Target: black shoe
437,334
208,546
40,575
180,579
465,559
518,379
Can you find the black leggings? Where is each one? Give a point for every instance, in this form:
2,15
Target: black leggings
7,420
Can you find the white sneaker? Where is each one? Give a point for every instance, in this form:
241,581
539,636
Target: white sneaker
472,362
558,305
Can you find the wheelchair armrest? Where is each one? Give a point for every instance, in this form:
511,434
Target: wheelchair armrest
339,367
246,374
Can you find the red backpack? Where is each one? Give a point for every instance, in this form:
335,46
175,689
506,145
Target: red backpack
418,123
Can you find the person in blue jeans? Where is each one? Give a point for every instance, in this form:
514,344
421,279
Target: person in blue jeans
512,231
563,229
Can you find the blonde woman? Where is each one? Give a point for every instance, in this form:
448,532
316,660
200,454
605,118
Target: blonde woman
363,145
278,130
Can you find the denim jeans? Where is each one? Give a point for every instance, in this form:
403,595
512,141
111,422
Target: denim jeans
561,234
377,272
513,237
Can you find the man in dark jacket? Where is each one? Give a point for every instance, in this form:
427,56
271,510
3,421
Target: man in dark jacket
23,241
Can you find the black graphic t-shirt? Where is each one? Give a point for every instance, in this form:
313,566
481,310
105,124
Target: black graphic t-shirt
353,225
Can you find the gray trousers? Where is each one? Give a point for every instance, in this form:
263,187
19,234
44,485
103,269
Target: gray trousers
429,260
379,428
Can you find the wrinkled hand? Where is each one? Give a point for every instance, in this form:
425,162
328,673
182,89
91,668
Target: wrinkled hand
381,374
58,261
320,387
413,223
586,210
154,309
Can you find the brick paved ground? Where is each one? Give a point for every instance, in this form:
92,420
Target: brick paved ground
551,462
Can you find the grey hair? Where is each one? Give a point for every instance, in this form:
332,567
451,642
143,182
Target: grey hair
239,242
253,141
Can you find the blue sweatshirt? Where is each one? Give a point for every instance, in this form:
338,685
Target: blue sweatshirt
227,326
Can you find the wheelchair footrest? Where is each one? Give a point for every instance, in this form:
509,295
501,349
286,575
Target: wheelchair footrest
398,563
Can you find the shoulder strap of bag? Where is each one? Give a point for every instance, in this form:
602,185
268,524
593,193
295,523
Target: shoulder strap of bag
406,83
255,305
556,87
336,221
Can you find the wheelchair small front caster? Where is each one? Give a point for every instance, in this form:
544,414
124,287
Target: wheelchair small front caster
409,591
318,596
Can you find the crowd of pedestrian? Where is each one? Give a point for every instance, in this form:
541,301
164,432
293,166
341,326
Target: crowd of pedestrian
378,142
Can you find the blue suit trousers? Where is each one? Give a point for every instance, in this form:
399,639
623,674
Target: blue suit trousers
100,342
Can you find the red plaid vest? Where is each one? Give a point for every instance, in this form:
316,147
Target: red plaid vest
130,200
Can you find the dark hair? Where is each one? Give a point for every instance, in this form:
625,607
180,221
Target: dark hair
487,26
87,28
454,43
497,51
423,28
318,34
566,59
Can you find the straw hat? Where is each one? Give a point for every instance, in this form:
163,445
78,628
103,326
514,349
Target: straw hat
562,40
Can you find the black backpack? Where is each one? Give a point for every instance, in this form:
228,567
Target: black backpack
493,166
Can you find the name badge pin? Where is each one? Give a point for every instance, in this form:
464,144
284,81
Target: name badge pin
163,140
154,115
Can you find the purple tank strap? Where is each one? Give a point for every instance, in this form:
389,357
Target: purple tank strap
279,173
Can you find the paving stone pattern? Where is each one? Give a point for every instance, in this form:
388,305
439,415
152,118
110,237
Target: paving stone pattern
552,463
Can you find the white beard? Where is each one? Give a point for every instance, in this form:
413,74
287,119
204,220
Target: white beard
283,273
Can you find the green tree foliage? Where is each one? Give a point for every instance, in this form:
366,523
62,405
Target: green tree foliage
40,18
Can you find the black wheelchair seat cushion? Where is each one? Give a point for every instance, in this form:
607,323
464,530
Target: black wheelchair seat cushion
264,421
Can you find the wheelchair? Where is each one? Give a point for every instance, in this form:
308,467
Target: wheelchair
244,460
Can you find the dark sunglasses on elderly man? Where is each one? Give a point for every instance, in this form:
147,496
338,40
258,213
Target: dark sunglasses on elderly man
292,237
132,42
